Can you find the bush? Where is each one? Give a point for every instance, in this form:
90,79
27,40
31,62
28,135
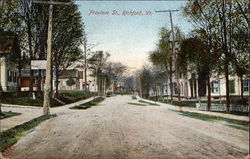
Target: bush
74,96
109,94
70,82
238,101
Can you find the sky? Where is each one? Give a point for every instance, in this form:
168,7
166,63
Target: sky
129,39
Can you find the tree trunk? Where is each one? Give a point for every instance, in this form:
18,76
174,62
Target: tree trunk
208,94
226,63
19,79
51,81
85,60
1,113
31,58
178,87
195,88
241,88
171,85
227,87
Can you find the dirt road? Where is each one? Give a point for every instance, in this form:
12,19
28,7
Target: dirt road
115,129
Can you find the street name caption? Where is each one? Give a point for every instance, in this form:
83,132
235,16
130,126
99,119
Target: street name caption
122,13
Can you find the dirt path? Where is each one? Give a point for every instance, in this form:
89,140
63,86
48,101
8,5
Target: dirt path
116,130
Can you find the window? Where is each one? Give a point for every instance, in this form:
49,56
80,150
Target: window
246,85
231,86
215,87
10,76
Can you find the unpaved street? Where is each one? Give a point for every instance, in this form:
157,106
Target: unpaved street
115,129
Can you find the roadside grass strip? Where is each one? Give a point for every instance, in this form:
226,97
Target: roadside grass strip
89,104
142,101
134,97
238,124
10,136
138,104
234,113
8,114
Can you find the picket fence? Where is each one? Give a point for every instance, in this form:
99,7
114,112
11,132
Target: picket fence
216,107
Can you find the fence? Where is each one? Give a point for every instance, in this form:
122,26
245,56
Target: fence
216,107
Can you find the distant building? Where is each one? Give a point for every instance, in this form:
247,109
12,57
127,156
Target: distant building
67,75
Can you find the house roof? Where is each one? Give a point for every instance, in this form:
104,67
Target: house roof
68,74
71,73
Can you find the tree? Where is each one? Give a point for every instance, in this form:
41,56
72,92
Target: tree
70,82
146,79
116,70
163,57
97,64
68,35
219,19
158,76
196,56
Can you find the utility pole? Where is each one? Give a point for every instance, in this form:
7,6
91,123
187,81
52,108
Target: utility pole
47,89
173,51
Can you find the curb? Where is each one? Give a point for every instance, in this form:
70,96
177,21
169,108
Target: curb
20,106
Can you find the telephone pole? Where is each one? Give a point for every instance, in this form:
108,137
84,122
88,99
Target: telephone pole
47,89
173,49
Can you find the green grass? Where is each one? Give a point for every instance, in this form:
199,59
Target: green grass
142,101
239,124
10,136
138,104
8,114
28,101
89,104
23,98
234,113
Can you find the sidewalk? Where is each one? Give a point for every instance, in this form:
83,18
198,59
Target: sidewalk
229,116
30,112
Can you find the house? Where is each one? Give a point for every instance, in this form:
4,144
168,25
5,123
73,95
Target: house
70,75
38,79
8,75
91,82
191,87
8,71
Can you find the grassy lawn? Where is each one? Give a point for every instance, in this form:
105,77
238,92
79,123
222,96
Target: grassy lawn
234,113
89,104
8,114
10,136
22,98
243,125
